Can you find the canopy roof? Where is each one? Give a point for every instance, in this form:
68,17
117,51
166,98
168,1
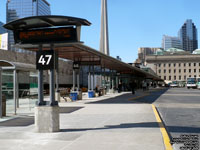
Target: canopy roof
45,21
89,56
6,65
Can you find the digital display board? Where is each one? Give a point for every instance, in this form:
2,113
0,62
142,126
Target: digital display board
49,35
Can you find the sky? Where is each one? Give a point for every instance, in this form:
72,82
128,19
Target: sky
132,23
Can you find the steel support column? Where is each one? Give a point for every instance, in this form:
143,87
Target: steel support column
74,80
93,86
52,83
15,91
78,80
40,85
89,80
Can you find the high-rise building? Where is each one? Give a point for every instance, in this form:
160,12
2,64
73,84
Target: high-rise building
188,36
2,30
17,9
171,42
104,40
143,51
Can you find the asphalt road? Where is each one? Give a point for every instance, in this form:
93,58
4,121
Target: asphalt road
180,111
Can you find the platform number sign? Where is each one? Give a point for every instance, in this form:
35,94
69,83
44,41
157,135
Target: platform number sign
76,65
45,60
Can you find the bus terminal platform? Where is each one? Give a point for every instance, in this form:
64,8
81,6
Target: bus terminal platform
109,122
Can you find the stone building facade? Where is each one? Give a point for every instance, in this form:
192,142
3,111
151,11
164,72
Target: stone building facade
175,67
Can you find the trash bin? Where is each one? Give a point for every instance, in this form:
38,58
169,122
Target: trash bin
74,96
90,94
3,105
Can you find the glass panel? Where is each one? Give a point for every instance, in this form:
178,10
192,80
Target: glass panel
7,90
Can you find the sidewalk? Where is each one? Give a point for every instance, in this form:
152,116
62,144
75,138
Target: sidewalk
91,126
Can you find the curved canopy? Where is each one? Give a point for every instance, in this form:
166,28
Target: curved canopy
6,65
44,22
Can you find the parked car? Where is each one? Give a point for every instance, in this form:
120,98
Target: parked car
174,84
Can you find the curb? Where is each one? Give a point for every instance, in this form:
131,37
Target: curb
165,135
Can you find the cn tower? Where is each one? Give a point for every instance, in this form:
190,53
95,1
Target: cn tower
104,40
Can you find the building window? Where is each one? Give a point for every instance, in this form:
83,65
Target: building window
199,64
174,77
179,64
164,65
179,77
174,65
174,70
189,70
170,70
164,70
195,76
164,77
170,77
184,64
179,70
169,65
194,70
190,76
159,65
194,64
185,70
184,77
189,64
159,71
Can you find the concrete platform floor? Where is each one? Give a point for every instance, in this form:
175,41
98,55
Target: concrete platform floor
89,126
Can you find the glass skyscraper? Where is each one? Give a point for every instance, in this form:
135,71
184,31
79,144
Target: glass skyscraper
17,9
2,30
171,42
188,36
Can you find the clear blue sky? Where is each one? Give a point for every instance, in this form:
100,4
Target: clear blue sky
132,23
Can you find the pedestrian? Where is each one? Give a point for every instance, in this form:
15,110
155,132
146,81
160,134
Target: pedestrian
119,87
133,86
144,85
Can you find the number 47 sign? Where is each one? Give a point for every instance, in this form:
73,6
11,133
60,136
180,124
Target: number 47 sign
46,60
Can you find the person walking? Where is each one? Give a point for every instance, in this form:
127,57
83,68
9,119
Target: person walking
133,86
144,85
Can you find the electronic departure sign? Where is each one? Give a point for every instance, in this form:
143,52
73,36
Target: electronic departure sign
47,35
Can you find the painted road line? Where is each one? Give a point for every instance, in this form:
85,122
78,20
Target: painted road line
165,135
134,98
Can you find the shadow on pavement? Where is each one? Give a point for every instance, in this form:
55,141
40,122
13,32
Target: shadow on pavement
29,120
17,122
69,109
137,98
121,126
179,129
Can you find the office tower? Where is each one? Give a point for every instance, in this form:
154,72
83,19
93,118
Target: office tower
17,9
144,51
188,36
104,40
2,30
171,42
